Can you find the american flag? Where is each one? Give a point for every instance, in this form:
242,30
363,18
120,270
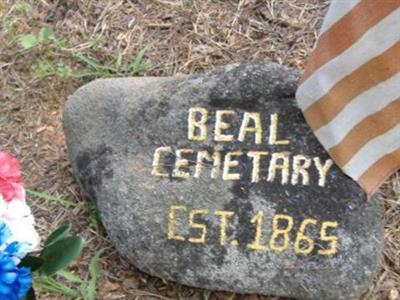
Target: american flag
350,90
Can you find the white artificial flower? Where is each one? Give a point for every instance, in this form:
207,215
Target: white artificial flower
17,215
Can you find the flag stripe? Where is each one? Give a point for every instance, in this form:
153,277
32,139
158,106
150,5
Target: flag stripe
368,75
365,14
376,174
373,151
371,127
321,81
350,90
359,108
339,10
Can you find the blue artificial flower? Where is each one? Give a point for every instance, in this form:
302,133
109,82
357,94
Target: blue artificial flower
15,281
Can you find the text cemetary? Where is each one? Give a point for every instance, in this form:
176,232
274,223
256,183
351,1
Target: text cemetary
293,168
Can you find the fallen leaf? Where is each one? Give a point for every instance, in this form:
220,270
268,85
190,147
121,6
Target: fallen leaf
394,294
108,286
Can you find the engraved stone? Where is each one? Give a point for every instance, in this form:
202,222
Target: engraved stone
215,181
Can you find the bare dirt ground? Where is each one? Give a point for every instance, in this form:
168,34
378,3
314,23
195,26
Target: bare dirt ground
101,38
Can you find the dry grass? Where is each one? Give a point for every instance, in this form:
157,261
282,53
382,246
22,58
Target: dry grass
181,36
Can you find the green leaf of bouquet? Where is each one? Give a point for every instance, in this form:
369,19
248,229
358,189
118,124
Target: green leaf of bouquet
58,234
33,262
28,41
60,254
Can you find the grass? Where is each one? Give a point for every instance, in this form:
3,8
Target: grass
86,208
85,290
52,199
50,48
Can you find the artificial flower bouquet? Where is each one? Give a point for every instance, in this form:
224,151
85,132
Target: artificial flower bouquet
19,240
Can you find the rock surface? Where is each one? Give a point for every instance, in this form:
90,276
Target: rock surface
273,222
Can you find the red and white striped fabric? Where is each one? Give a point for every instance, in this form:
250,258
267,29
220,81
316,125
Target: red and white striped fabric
350,90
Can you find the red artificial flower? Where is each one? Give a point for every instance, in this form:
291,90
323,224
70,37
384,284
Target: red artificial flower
11,185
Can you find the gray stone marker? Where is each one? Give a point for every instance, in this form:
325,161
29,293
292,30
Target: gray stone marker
215,181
